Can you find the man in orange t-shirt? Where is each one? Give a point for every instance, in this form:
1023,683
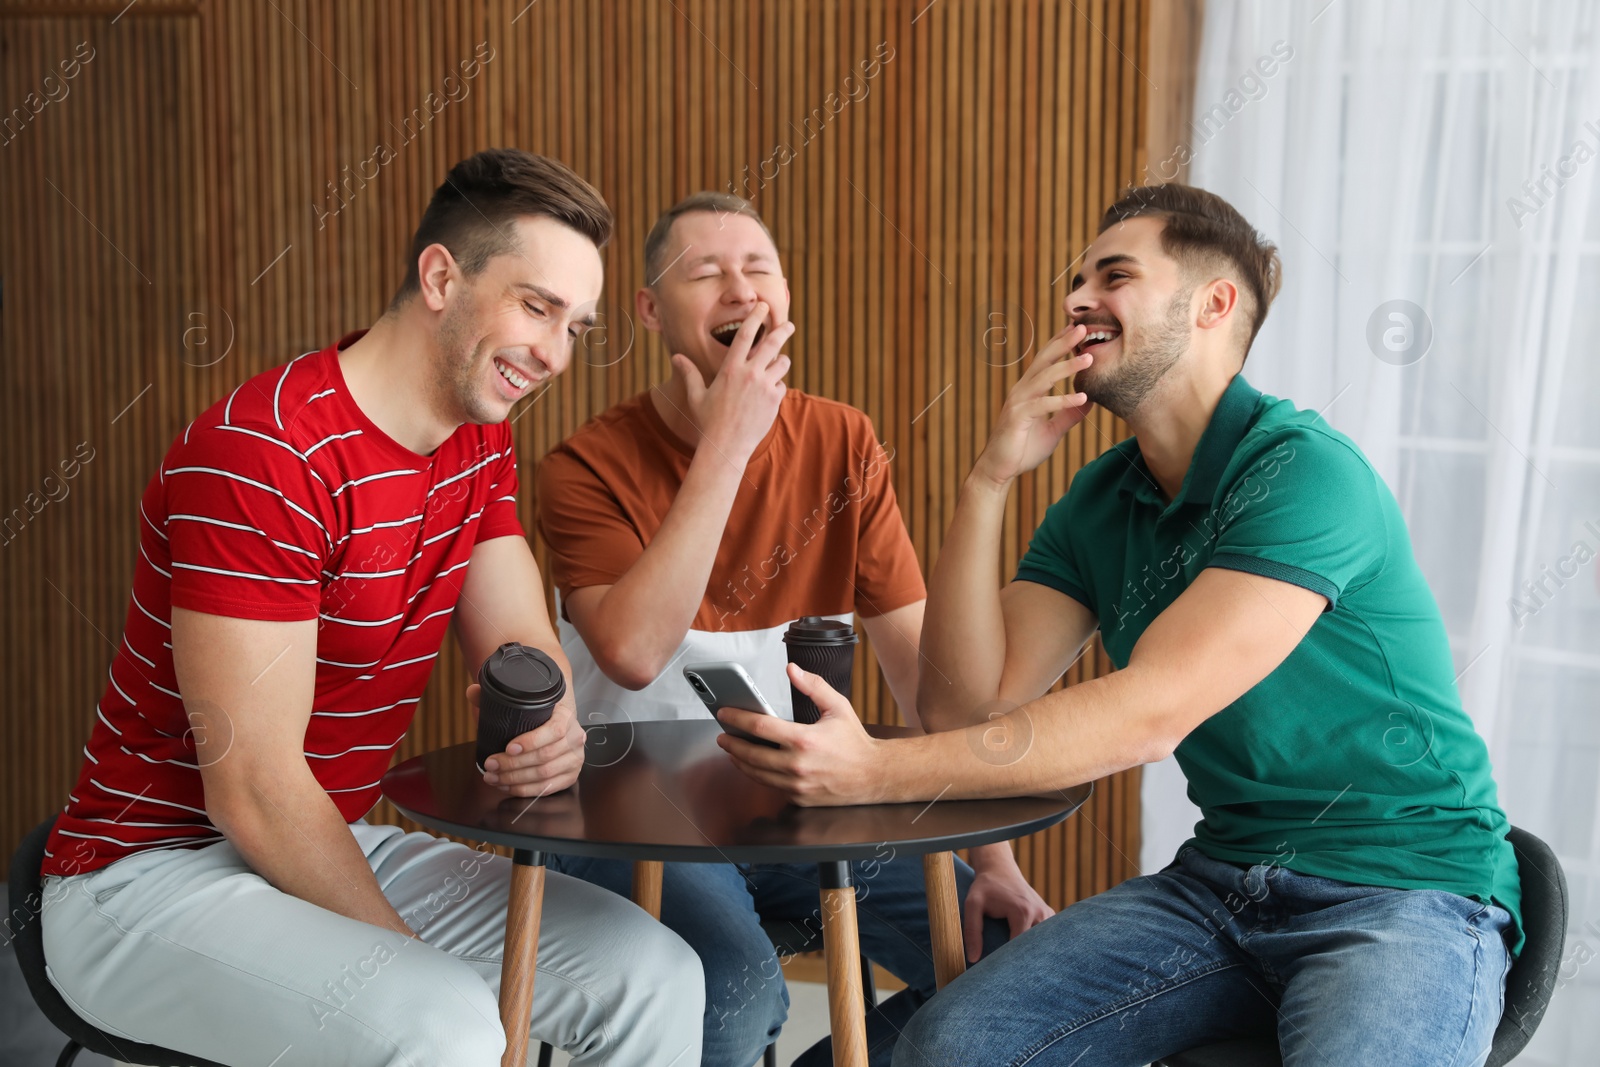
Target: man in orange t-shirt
695,522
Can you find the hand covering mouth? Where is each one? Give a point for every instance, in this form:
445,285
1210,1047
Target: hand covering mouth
725,333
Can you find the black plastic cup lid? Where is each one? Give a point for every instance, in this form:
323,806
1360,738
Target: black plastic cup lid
522,675
816,630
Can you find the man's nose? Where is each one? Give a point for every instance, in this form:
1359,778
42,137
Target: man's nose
739,290
554,352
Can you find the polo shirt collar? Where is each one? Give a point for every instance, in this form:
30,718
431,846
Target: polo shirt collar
1217,445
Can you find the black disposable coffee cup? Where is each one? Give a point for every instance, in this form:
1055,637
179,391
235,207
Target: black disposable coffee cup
825,647
519,690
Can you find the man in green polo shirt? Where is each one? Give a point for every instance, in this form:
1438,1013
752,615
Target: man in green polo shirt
1350,887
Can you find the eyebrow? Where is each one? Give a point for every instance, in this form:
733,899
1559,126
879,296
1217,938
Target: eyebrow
553,300
713,257
1102,264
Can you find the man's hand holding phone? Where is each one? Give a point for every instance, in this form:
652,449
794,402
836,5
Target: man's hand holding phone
728,685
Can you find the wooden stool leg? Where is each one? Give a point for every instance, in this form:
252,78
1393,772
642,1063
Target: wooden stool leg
944,918
521,953
841,945
647,876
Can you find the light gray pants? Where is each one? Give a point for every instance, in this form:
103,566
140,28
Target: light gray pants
192,950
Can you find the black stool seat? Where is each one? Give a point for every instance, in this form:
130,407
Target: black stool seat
26,893
1529,984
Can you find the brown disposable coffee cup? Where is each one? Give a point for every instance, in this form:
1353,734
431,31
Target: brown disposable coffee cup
825,647
519,690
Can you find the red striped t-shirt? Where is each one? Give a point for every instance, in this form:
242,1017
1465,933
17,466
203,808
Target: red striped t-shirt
283,502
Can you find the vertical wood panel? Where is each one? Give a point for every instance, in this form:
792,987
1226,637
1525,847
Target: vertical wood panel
206,138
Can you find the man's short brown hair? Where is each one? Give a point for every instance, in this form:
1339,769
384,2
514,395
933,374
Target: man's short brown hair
472,213
709,201
1203,231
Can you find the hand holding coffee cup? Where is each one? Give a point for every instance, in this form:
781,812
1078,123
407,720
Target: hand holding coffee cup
519,688
820,646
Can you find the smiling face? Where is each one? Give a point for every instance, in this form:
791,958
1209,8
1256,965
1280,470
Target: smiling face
513,326
1137,304
718,266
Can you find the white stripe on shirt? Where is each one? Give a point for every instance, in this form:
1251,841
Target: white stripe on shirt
124,695
332,577
276,417
330,437
267,437
159,532
227,409
408,662
425,618
375,477
147,559
370,711
363,622
246,529
247,574
352,666
126,645
146,798
105,720
457,477
160,841
346,752
384,525
146,610
147,759
447,533
259,485
436,577
356,788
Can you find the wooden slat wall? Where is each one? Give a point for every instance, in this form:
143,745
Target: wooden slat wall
164,215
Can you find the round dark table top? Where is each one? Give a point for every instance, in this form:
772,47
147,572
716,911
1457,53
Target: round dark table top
665,791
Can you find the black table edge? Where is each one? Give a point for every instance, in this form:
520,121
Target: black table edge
623,850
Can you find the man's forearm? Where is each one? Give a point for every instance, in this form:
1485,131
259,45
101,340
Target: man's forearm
963,631
992,857
642,619
1063,739
294,837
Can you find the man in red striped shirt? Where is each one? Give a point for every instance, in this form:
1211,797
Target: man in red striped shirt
212,886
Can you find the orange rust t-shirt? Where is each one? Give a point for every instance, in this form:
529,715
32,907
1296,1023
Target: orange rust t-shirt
814,530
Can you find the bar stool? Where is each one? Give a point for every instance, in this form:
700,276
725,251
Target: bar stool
1529,984
26,893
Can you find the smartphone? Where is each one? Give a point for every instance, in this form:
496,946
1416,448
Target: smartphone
725,684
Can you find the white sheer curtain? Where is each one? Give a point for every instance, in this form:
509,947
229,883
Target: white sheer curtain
1445,154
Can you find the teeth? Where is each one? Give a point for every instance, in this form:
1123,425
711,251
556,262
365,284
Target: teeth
512,376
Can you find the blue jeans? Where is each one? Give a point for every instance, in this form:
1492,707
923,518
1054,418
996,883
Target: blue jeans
1206,951
717,908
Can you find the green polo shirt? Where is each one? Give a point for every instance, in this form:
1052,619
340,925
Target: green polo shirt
1353,759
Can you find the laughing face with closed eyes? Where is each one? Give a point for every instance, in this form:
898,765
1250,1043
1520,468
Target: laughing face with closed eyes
718,267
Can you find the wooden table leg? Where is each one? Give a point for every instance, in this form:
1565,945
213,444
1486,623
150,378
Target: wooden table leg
521,953
944,918
647,876
841,945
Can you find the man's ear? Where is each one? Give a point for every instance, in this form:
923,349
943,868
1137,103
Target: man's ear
1218,305
436,269
644,302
